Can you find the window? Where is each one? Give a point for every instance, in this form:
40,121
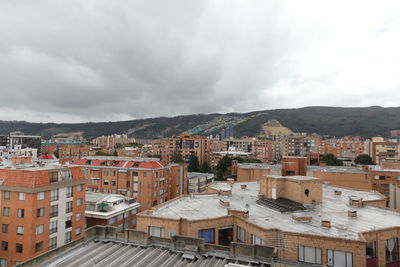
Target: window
120,217
4,245
78,231
4,228
241,235
255,240
18,248
78,217
67,237
392,250
69,191
40,195
21,196
79,188
3,263
371,250
7,195
79,202
156,231
39,229
20,230
310,254
208,235
339,258
68,222
113,182
54,195
21,213
53,211
40,212
111,220
39,246
52,243
68,208
53,227
106,182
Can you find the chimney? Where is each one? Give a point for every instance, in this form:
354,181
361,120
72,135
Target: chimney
224,203
326,224
352,213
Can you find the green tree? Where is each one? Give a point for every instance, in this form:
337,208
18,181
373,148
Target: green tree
115,153
250,160
364,159
331,160
102,153
194,165
223,168
205,168
56,153
176,158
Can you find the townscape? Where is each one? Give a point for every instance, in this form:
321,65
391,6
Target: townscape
305,198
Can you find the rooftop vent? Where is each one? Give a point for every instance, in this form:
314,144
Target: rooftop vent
301,218
352,213
355,201
243,186
338,193
224,203
326,223
230,181
226,191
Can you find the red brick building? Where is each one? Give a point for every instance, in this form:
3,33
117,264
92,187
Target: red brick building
148,180
41,208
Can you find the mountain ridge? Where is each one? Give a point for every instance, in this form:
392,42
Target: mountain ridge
333,121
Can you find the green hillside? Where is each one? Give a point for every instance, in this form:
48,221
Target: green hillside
334,121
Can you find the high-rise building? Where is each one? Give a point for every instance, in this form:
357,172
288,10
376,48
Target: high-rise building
41,208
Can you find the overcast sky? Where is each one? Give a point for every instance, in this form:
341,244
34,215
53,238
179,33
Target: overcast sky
97,60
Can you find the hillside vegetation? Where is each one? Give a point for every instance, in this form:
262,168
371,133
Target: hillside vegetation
333,121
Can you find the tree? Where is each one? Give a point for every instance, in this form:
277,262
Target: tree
115,153
194,165
205,168
176,158
364,159
223,168
56,153
331,160
102,153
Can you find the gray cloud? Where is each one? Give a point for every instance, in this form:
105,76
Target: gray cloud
115,60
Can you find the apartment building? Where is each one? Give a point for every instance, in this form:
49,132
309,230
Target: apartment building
265,150
8,153
41,208
198,181
20,140
306,221
110,141
348,147
67,152
186,146
148,180
110,209
382,149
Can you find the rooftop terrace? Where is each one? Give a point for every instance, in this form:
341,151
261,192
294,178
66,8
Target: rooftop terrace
334,208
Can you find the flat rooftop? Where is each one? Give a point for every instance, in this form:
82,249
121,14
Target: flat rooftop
259,166
340,169
334,208
293,178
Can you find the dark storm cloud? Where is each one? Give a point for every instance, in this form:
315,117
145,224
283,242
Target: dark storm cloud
110,60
